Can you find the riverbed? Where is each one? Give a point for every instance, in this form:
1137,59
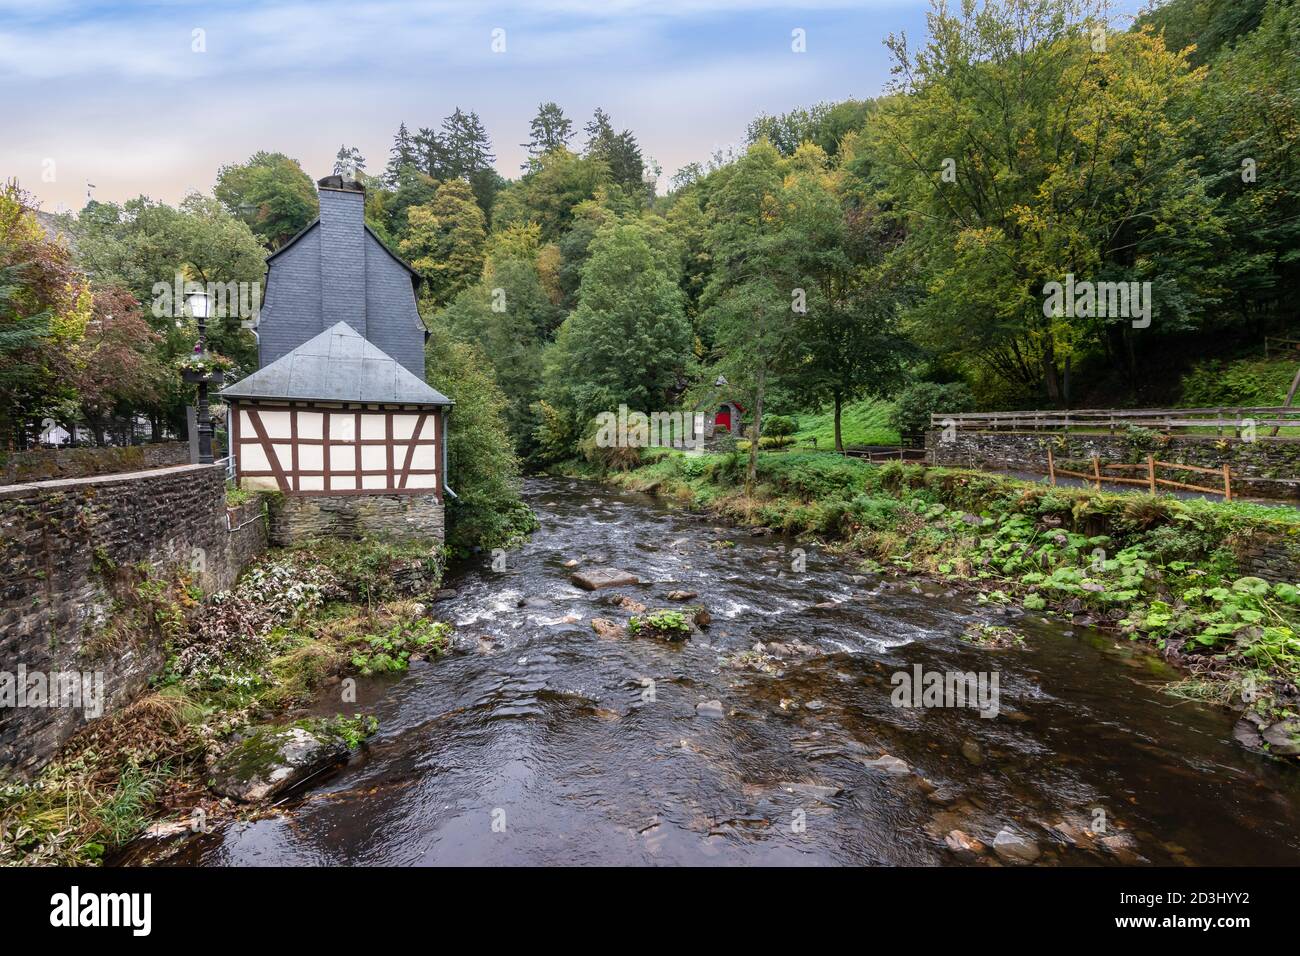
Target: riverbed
539,741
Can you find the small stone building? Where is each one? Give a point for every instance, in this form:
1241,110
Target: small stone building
338,418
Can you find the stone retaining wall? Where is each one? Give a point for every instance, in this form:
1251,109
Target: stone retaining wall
298,518
47,464
70,549
1266,468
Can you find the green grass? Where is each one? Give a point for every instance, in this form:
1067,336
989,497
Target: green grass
861,423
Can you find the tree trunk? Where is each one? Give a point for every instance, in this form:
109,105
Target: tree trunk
756,431
1051,380
839,407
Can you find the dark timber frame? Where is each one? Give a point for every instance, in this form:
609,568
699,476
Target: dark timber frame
395,477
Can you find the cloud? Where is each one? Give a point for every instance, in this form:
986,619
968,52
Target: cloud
154,40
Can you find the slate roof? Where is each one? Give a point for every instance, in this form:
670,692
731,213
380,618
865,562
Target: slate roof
339,365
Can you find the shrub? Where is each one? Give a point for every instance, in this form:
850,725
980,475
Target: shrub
779,426
915,405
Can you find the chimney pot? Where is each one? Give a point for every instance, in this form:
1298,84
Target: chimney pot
338,182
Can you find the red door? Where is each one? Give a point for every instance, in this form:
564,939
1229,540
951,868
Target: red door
722,419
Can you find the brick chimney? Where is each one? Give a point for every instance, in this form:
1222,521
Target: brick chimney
343,253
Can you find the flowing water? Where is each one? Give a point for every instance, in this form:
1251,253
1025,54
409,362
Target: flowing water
540,742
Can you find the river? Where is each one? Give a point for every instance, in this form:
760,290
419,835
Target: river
540,742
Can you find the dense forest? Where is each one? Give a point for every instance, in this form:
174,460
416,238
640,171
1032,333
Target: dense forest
889,248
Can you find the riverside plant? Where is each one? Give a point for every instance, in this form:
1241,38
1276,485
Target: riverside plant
391,651
671,625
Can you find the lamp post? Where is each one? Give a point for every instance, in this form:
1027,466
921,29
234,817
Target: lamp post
199,306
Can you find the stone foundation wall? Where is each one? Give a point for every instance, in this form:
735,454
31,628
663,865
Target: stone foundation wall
298,518
48,464
1266,468
69,550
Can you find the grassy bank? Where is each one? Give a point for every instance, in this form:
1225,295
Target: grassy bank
1156,569
298,620
861,423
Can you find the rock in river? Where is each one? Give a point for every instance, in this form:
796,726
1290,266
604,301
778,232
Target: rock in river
889,764
1012,847
270,761
1283,738
709,708
597,578
964,846
604,627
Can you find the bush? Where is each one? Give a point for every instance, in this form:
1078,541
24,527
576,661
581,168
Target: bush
778,426
913,408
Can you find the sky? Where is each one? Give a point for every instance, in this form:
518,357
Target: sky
153,98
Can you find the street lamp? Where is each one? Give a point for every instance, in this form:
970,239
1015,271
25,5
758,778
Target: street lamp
199,308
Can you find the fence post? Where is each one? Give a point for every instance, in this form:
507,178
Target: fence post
1051,466
1227,482
1096,471
1151,473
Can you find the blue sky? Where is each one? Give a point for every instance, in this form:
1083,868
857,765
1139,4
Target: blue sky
113,92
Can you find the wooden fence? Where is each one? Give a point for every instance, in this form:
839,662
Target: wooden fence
1112,419
1278,343
1151,479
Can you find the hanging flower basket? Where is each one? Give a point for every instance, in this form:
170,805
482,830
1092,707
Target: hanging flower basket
196,375
203,367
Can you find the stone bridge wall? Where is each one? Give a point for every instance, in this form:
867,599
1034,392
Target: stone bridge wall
66,549
47,464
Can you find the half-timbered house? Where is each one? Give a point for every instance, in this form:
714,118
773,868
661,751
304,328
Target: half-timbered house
339,418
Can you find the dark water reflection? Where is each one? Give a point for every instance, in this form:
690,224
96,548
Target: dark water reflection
543,726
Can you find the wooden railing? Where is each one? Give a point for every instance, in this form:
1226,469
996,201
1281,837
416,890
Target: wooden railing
1151,480
1278,343
1112,419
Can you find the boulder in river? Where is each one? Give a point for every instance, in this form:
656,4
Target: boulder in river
709,708
1283,737
597,578
681,595
1013,847
604,627
1248,735
270,761
888,764
699,615
816,791
964,846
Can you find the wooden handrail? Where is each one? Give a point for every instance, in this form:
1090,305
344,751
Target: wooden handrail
1151,482
1273,416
